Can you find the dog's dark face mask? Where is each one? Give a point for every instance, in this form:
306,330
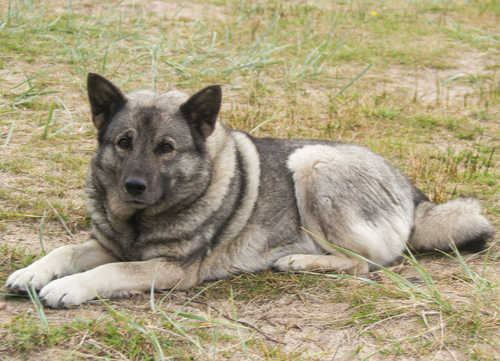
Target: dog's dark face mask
151,150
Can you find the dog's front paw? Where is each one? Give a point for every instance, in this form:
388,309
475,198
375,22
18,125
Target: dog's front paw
36,275
70,290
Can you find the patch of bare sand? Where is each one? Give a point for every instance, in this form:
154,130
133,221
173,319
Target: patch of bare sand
177,10
24,234
430,85
165,9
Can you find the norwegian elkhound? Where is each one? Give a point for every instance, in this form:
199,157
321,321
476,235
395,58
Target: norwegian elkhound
177,199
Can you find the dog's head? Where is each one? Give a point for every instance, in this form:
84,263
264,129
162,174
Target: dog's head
152,146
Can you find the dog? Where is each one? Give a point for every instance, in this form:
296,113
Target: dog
177,199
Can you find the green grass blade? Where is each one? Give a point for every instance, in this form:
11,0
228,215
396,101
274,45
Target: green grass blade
265,122
47,122
354,80
33,295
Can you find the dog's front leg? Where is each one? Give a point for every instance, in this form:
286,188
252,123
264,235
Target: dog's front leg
117,280
59,263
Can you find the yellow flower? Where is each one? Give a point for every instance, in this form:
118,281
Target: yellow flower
459,4
374,13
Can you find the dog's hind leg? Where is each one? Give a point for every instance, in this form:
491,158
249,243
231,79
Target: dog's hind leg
59,263
351,198
310,262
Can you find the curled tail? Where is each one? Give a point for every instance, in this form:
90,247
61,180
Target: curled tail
438,226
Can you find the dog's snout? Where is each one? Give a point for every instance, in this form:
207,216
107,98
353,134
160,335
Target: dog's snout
135,186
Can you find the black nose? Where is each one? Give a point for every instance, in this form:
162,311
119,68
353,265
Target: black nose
135,186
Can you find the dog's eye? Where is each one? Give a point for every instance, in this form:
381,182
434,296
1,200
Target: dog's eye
124,143
166,148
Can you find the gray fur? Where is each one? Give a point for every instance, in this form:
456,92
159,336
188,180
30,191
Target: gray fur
176,197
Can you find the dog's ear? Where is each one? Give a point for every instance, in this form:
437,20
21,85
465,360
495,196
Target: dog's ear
201,110
104,97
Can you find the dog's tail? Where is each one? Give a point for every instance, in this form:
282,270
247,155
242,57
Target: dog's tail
459,222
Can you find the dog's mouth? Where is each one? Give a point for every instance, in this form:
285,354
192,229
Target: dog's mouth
139,204
142,200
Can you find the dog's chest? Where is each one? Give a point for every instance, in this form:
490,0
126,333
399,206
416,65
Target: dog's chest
141,239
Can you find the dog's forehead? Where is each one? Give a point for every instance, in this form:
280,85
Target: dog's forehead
152,115
156,111
166,103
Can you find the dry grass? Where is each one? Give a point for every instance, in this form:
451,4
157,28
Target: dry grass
430,102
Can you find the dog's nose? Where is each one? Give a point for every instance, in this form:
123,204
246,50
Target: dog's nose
135,186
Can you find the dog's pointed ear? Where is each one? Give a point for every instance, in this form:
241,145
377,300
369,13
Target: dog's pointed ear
201,109
104,97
